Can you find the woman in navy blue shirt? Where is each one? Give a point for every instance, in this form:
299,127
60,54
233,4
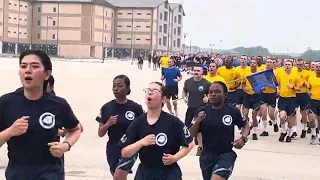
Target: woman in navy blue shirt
114,118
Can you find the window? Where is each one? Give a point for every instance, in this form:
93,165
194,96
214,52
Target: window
148,14
39,9
174,43
160,28
128,39
25,19
178,42
110,39
119,13
138,39
111,16
20,33
138,26
9,3
165,16
138,13
53,23
14,18
179,19
165,28
164,41
105,26
119,26
160,41
118,38
25,6
129,13
148,26
53,36
180,9
25,33
179,31
8,31
175,31
106,13
129,26
148,39
38,22
175,19
9,17
54,9
160,16
38,36
20,5
105,39
15,4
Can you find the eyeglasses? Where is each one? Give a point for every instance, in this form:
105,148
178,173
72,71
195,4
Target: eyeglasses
152,91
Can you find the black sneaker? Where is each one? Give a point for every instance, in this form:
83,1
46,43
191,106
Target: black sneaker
294,135
254,136
313,138
270,123
309,130
264,133
199,151
288,139
275,128
196,140
317,130
282,136
303,134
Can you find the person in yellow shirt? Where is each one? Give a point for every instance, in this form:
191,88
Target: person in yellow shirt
242,70
212,75
306,65
251,100
230,75
260,67
314,108
268,104
288,85
164,61
302,99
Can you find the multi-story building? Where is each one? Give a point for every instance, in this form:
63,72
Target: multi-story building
91,28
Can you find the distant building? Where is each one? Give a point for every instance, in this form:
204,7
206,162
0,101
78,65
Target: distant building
91,28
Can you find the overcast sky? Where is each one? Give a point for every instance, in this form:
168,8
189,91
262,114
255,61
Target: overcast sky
276,24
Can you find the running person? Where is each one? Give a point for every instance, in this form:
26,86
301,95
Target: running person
114,118
157,136
172,76
217,120
31,134
212,75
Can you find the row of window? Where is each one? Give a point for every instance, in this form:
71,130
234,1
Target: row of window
16,32
17,5
163,42
165,29
53,36
129,39
129,26
139,14
16,19
165,18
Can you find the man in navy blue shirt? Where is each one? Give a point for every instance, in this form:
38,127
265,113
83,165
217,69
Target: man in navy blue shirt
172,76
217,120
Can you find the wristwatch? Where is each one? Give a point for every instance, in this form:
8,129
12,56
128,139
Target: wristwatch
68,144
245,139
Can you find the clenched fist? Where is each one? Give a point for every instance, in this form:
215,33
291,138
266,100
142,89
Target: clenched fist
20,126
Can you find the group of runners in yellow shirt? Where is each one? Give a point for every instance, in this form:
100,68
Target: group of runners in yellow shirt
298,90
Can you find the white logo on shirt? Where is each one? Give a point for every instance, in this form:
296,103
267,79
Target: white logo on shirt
186,132
47,120
227,120
129,115
161,139
99,115
124,138
200,88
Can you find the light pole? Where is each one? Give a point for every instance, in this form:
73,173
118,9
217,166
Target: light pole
212,46
48,17
184,41
134,41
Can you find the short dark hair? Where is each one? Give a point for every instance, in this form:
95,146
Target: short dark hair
126,81
44,58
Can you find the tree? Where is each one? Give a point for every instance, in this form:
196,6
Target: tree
252,51
310,54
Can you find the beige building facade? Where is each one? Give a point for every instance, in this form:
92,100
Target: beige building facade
91,28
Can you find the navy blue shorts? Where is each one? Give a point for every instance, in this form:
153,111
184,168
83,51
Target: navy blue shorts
252,101
162,71
314,107
116,161
171,172
47,172
269,98
231,98
240,96
190,114
288,105
302,100
218,164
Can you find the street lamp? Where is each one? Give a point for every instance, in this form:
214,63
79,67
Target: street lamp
184,41
134,40
212,46
48,17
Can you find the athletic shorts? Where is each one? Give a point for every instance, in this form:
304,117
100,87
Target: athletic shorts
288,105
302,100
314,107
190,115
116,161
172,92
218,164
231,98
171,172
252,101
240,96
269,98
162,71
46,172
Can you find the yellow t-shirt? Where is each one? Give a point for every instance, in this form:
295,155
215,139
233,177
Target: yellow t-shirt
215,78
261,68
312,73
164,62
248,89
230,76
286,79
242,72
303,78
314,85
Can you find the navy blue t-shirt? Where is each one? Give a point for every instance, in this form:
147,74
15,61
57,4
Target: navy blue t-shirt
170,134
217,128
126,112
47,114
170,74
